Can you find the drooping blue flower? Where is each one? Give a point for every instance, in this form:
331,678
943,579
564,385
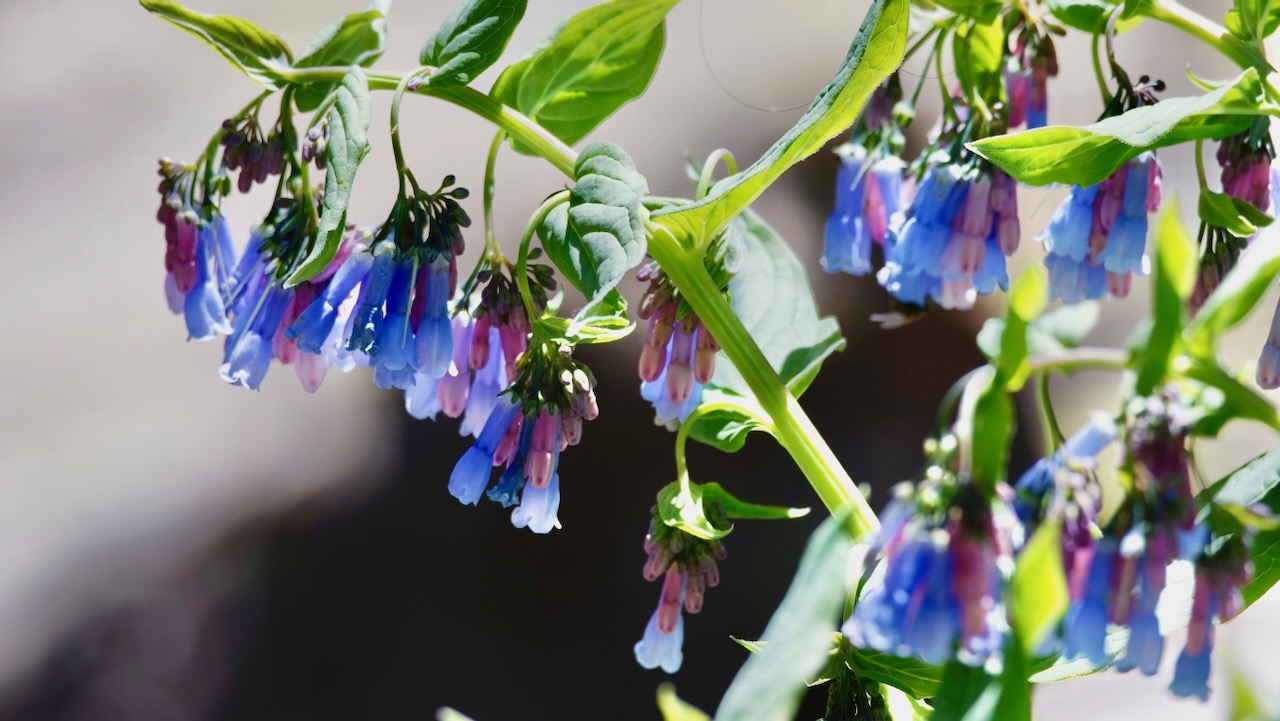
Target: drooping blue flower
393,355
486,384
315,324
512,481
1191,675
369,314
434,338
248,353
1068,231
661,646
992,273
1146,645
471,475
1085,628
1075,281
206,316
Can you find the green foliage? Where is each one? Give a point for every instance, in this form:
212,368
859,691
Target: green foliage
1089,16
1087,155
877,51
984,11
353,39
258,53
1057,330
599,60
1026,300
772,297
471,39
979,57
1038,592
599,235
673,708
1235,296
1237,217
911,675
797,640
682,504
1256,482
1253,20
1175,277
601,321
348,144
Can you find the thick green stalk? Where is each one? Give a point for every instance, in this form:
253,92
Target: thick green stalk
792,427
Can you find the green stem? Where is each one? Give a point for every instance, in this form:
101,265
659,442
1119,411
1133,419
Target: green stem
1074,359
682,435
491,249
793,429
1197,26
516,124
1097,71
1200,174
708,176
1048,419
522,274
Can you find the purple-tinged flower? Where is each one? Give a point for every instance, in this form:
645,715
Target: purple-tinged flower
1221,571
471,475
1017,83
679,354
951,247
1268,373
868,195
203,307
663,637
538,506
1097,238
941,588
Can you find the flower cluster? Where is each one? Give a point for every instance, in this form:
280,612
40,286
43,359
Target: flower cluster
679,354
1096,240
246,150
1026,76
198,253
948,546
540,415
687,565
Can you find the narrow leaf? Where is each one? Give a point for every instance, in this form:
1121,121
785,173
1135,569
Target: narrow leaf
1175,276
673,708
471,39
1086,155
876,52
348,144
1039,590
258,53
797,640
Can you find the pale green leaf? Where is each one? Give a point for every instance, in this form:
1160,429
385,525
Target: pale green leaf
673,708
260,54
471,39
1038,591
353,39
1175,277
348,144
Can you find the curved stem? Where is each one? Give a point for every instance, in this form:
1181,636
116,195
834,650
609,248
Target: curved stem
1097,71
709,170
682,435
1074,359
491,249
1048,419
522,274
395,127
793,429
1200,174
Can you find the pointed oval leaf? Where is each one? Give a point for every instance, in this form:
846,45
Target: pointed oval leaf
353,39
348,144
471,39
599,60
1087,155
260,54
877,50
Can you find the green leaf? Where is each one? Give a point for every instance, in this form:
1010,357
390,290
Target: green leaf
595,63
680,506
1256,482
1086,155
1237,217
1175,277
258,53
985,425
1245,704
1089,16
602,321
673,708
353,39
348,144
471,39
736,508
984,11
1057,330
1038,591
960,688
1027,298
1238,400
876,52
1236,294
913,676
772,297
979,56
599,235
797,641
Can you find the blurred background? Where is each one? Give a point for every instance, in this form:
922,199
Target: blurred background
175,548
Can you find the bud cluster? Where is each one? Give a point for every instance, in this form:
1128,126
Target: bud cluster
246,150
